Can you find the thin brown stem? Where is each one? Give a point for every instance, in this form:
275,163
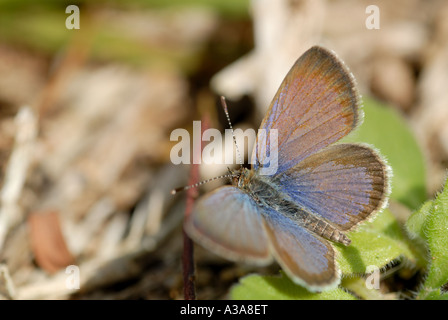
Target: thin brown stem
188,251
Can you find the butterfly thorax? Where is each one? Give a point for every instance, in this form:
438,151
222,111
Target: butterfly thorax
267,193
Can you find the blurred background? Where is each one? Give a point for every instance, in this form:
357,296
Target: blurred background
86,116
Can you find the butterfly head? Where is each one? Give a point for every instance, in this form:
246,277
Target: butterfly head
241,178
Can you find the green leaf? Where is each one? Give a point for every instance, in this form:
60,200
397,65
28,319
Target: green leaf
386,130
430,225
436,295
434,230
416,221
358,285
256,287
376,243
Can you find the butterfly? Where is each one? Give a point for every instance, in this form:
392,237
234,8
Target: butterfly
321,189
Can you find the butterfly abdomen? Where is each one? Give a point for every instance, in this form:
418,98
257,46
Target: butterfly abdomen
321,227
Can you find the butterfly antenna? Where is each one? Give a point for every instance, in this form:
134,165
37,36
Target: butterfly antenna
174,191
224,105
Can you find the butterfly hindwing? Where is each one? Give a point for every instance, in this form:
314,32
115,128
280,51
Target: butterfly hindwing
344,184
228,221
307,259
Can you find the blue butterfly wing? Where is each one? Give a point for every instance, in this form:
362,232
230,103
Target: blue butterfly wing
344,184
306,258
316,105
228,222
